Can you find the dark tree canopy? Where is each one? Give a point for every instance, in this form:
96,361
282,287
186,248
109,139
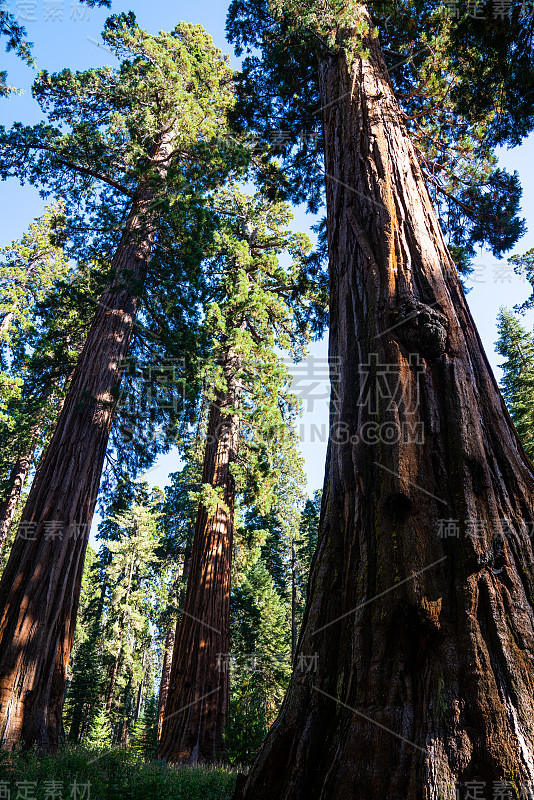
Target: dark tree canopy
464,86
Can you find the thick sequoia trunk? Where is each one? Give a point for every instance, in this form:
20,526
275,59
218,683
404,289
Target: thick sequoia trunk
195,711
17,479
425,644
40,586
165,681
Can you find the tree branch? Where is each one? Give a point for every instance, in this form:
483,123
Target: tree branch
82,170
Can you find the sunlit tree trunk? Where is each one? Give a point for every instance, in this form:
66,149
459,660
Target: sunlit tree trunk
424,641
195,711
40,586
5,322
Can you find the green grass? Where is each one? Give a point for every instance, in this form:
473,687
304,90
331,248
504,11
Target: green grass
110,775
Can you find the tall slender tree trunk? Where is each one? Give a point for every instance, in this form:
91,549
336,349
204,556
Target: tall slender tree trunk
294,631
123,729
5,322
122,623
195,711
17,479
165,675
140,689
425,644
40,586
169,646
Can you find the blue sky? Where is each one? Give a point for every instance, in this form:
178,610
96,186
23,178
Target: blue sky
66,33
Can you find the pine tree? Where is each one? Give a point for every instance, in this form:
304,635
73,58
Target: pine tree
85,673
303,549
16,39
133,564
99,734
144,733
424,643
261,661
516,345
132,135
113,656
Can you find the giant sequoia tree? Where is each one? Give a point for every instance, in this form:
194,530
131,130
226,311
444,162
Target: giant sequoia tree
420,604
125,137
255,306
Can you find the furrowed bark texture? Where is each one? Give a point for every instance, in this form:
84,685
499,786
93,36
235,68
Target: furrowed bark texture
425,644
40,586
195,711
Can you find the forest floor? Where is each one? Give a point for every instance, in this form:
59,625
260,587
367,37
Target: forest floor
85,774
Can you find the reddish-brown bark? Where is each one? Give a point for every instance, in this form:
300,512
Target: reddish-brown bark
40,586
425,644
195,712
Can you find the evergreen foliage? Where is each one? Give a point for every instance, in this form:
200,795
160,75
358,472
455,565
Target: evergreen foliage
516,345
256,307
434,62
99,734
145,730
261,649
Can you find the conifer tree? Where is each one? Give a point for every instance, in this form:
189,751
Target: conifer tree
29,270
132,567
424,642
85,672
125,138
179,511
261,661
99,734
144,733
17,41
256,305
516,345
303,549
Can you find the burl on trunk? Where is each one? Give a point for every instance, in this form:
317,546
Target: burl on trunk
420,602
